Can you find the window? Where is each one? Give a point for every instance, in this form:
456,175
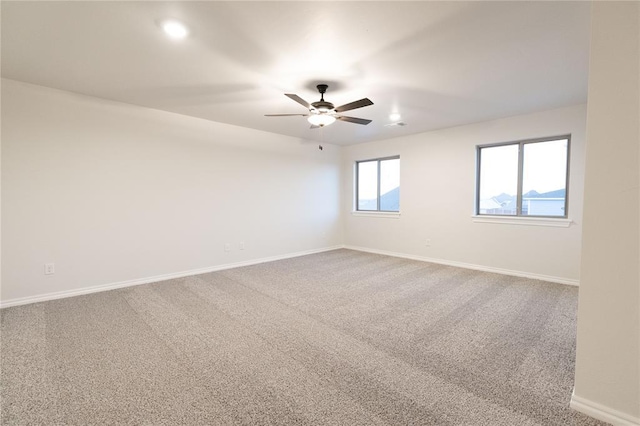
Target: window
527,178
378,185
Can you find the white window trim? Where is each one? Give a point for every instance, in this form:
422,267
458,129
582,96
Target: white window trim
523,220
373,213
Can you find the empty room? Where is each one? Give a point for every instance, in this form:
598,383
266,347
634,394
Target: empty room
320,213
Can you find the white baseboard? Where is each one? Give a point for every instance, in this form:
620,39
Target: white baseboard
541,277
600,412
164,277
147,280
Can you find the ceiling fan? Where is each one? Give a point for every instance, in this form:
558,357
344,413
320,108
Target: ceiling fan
323,113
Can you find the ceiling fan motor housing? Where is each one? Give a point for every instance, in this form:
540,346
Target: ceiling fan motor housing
322,106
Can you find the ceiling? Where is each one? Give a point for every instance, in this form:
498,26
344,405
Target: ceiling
437,64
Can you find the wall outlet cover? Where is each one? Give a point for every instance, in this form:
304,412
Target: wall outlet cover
49,268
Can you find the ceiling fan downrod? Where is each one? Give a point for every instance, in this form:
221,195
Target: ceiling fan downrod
322,88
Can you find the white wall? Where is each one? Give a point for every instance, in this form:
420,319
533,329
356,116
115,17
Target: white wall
112,192
608,353
437,187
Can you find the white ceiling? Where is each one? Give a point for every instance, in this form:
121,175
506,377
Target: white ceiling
439,64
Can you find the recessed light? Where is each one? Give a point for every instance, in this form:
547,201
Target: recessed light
394,116
174,29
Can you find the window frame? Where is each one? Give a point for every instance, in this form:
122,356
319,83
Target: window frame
357,181
521,144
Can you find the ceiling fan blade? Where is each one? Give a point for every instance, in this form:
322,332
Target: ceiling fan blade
353,105
285,115
353,119
299,100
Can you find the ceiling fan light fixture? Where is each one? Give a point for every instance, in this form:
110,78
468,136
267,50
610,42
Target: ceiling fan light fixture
321,119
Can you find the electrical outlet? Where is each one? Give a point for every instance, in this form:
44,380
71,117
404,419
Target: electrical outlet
427,242
241,245
49,268
227,247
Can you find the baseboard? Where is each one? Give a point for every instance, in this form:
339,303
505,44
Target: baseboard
147,280
600,412
560,280
164,277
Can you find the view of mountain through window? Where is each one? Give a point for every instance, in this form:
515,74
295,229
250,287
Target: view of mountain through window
524,178
378,185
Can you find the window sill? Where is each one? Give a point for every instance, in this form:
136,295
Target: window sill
388,215
527,221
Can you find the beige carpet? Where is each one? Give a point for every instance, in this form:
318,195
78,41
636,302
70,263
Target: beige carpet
337,338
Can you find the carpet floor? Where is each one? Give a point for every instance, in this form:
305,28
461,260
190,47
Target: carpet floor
336,338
